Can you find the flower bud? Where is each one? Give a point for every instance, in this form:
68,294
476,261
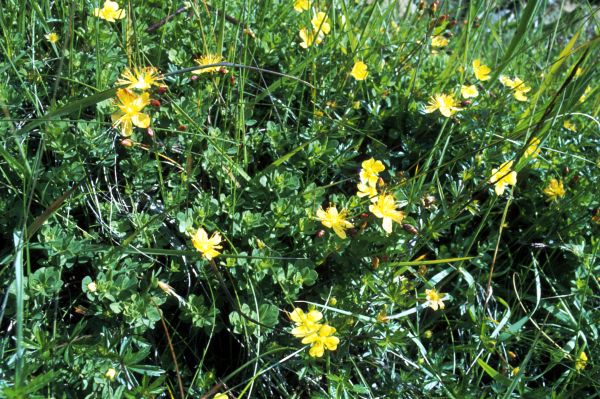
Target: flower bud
162,90
193,78
127,143
155,103
320,233
182,128
150,132
92,287
375,262
410,229
110,374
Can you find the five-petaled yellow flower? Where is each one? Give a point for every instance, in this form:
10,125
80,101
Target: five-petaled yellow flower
110,12
469,91
581,361
309,38
482,72
334,220
130,111
207,246
141,79
111,374
570,126
533,149
306,323
359,70
320,23
439,41
435,299
443,102
321,340
301,5
518,87
385,208
369,174
555,189
52,37
503,176
209,59
367,190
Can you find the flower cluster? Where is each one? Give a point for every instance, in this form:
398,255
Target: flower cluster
319,336
320,26
131,104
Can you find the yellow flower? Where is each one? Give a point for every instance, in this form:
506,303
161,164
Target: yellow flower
581,361
445,103
585,94
435,299
370,171
209,59
110,374
141,79
469,91
130,111
503,176
517,85
300,5
515,371
306,324
385,209
570,126
439,41
110,12
52,37
555,190
207,246
533,149
367,190
334,220
359,71
309,38
482,72
519,90
320,23
321,340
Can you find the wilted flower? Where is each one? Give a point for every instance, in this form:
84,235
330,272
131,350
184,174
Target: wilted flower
502,177
141,79
334,220
130,111
110,12
321,340
385,208
555,189
435,299
167,289
52,37
209,59
359,70
320,23
482,72
309,38
469,91
445,103
207,246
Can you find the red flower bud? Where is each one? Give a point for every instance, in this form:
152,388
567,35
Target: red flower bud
162,90
155,103
127,143
182,128
320,233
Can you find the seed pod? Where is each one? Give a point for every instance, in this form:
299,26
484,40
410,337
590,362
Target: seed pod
410,229
375,262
